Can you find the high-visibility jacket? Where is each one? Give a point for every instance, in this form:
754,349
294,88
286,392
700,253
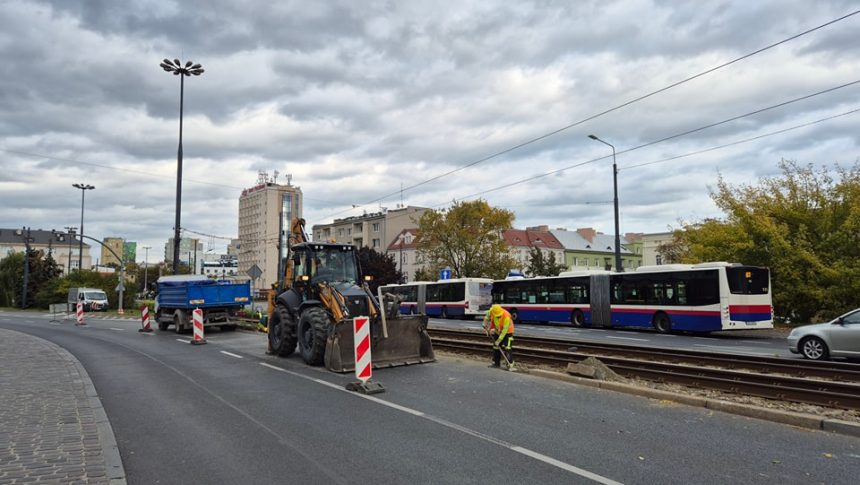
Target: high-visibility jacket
502,323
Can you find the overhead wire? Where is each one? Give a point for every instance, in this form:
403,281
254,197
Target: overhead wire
604,112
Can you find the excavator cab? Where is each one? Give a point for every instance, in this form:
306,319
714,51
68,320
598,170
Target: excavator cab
324,292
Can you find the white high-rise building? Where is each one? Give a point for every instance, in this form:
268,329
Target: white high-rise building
266,212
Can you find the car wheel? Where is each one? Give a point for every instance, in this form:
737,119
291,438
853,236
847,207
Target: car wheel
813,348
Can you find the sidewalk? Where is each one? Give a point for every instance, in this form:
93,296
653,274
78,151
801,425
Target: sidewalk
53,428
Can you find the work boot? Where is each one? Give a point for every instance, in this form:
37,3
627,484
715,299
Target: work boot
494,366
512,367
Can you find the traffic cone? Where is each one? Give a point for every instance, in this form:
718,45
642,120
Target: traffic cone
144,320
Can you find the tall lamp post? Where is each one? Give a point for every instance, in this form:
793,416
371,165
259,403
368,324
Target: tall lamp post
145,268
84,188
615,201
178,69
71,231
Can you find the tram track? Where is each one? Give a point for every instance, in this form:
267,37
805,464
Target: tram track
830,384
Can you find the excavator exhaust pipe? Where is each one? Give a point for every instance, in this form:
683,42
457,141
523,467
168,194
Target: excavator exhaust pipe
402,340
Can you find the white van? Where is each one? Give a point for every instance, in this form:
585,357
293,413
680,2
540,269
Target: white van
93,299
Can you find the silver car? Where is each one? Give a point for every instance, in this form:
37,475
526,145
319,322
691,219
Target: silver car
838,338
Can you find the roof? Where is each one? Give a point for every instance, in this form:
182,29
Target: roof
395,244
603,243
531,239
38,237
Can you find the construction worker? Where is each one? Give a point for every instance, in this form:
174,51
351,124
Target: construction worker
500,327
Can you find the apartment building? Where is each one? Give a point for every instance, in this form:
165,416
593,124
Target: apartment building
374,230
266,212
64,249
404,250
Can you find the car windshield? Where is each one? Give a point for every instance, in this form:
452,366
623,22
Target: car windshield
851,317
96,295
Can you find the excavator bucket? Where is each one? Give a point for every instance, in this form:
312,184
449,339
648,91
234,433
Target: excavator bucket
406,343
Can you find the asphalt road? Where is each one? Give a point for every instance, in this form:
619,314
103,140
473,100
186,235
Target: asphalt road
226,413
746,342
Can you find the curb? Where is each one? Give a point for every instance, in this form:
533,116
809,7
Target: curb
114,470
801,420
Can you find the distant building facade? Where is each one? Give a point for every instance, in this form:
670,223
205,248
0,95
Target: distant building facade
266,212
588,249
404,250
190,252
522,241
373,230
115,244
129,251
651,247
62,248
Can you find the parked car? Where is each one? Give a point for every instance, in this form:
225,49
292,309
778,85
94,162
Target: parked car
838,338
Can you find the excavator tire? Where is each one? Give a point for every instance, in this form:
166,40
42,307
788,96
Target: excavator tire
282,332
313,331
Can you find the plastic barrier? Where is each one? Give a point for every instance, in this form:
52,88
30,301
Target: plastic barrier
198,328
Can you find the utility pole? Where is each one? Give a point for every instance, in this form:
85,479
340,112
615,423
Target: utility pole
25,232
145,269
71,232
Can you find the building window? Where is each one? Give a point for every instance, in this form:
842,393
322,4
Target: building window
659,259
375,243
375,227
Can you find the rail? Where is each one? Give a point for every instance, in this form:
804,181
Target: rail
782,379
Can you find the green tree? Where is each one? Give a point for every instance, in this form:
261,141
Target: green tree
540,264
467,238
380,266
426,274
803,224
11,279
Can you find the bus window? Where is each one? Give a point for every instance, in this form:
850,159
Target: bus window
748,280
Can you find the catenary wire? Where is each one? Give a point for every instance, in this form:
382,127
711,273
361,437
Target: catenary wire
607,111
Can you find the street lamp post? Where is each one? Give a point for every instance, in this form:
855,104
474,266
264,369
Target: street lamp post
84,188
615,201
178,69
145,269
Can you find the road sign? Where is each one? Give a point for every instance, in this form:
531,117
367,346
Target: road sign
254,271
445,274
120,287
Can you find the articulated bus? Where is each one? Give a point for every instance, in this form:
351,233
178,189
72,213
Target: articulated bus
460,297
704,297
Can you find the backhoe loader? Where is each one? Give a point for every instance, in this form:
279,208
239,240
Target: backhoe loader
319,295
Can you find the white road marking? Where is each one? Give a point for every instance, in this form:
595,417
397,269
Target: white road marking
231,354
477,434
185,341
148,333
118,329
629,338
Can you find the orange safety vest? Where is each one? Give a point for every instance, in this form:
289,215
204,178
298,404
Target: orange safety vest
503,323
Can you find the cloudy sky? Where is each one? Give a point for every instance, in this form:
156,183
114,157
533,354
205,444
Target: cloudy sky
358,99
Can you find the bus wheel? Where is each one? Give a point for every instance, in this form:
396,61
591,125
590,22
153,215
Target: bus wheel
577,318
662,323
412,310
444,313
515,315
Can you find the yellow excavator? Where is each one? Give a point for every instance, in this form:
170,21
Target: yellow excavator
321,291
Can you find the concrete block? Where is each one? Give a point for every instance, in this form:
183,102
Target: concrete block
776,415
841,427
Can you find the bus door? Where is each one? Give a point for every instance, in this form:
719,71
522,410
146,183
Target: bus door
599,293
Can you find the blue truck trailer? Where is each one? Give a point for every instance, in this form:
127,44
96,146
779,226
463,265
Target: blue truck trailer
220,300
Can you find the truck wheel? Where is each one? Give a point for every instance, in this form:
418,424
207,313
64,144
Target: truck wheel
313,328
162,325
282,332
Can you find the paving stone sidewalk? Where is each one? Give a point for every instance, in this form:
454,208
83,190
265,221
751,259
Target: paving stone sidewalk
53,428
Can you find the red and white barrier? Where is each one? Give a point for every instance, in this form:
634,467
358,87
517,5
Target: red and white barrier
363,366
144,320
198,327
80,314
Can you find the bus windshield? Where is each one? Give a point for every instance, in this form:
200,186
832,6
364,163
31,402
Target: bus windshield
747,280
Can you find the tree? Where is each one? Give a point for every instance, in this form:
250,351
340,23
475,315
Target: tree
11,279
540,264
426,274
803,224
380,266
467,238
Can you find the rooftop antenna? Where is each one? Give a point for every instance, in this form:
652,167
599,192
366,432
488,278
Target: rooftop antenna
262,177
401,194
275,179
289,178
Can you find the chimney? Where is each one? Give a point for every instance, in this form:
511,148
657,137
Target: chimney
543,228
587,232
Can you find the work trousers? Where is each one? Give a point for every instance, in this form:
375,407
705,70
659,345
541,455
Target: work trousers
506,346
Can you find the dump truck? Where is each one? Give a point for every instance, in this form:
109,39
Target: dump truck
179,295
321,291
